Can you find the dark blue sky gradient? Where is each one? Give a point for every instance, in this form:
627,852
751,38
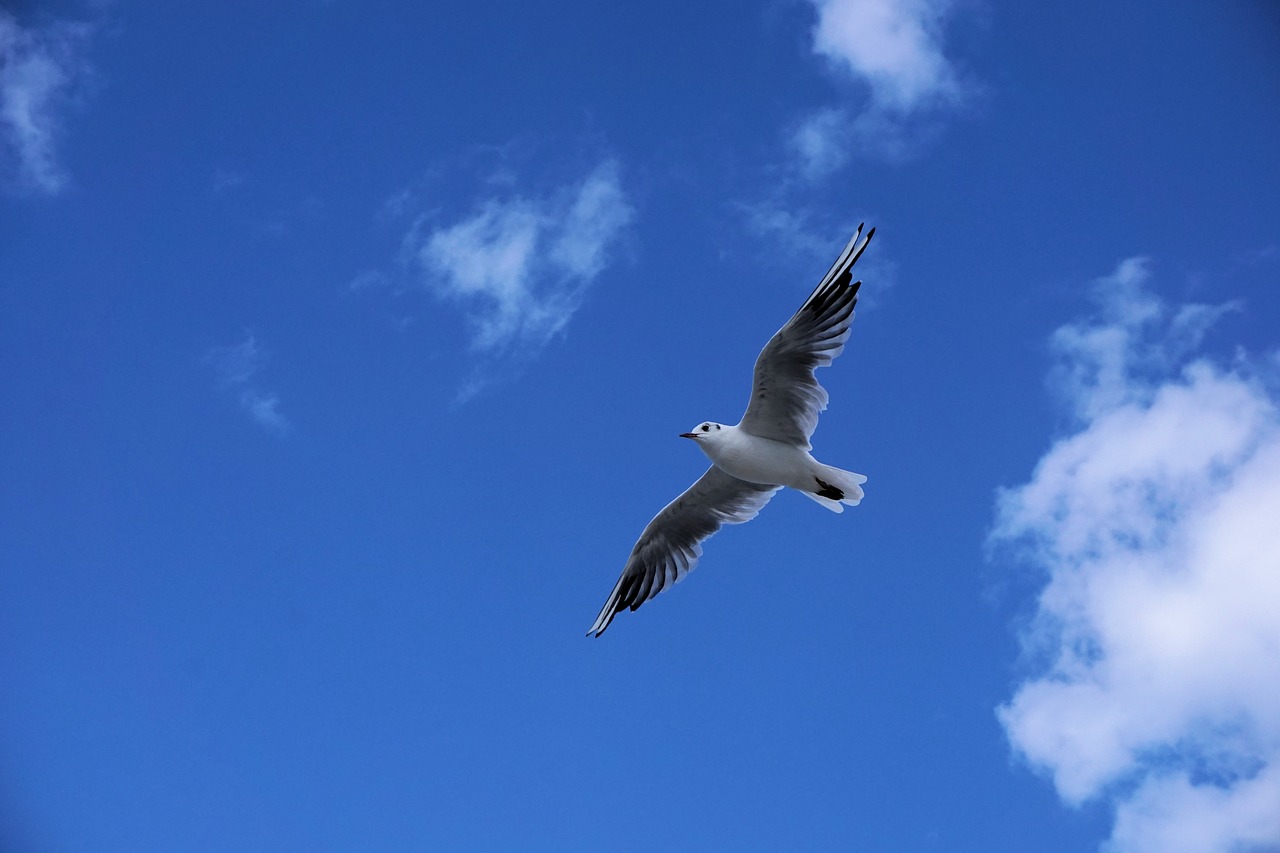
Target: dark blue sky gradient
364,631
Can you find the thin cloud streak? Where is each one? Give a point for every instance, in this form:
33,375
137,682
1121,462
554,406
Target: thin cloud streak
38,72
1158,688
236,368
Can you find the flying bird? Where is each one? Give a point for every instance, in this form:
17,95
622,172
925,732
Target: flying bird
766,450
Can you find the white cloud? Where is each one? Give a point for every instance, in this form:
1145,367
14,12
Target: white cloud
598,213
520,266
820,143
237,367
264,408
894,48
38,71
790,227
892,45
1156,523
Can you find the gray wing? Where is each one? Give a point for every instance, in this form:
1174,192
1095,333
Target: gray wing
785,396
670,546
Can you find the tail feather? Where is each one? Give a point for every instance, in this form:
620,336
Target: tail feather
836,486
827,503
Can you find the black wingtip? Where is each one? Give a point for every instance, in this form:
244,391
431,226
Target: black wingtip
866,241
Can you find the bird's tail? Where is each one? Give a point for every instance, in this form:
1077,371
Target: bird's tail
835,488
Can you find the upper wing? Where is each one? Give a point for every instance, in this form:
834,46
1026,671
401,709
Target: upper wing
786,397
670,546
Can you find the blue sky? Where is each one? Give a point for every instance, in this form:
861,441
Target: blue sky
343,353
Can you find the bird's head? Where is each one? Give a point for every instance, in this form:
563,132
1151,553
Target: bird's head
705,431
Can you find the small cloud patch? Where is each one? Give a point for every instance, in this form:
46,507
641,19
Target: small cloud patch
40,69
518,266
893,49
236,368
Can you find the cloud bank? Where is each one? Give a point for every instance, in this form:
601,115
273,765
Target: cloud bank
38,71
894,49
518,265
237,367
1157,525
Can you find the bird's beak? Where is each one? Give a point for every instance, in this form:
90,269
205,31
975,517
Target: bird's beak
688,435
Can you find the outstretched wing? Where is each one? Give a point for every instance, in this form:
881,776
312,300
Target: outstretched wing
670,546
785,396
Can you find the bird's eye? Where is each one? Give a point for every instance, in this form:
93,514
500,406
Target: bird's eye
705,427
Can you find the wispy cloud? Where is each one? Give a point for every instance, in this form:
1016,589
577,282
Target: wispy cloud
517,265
1156,635
237,367
901,85
39,70
819,143
790,228
264,408
894,49
796,234
225,181
895,46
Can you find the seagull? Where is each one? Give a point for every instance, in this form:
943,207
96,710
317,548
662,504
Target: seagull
768,449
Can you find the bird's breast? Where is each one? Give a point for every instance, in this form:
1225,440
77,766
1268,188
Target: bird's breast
758,460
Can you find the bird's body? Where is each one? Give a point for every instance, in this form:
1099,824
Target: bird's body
767,461
767,450
757,460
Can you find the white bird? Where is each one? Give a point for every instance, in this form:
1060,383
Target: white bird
766,450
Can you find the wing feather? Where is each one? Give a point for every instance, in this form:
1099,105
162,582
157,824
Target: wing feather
671,544
786,398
